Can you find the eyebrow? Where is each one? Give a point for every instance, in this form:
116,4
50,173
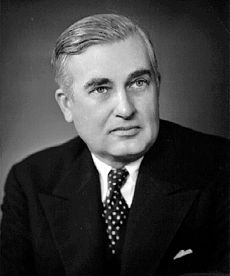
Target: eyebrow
139,73
96,82
105,81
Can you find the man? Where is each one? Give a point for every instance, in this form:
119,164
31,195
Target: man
132,195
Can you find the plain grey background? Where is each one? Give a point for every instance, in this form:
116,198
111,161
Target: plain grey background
191,41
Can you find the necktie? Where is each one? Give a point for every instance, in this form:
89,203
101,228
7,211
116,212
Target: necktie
115,207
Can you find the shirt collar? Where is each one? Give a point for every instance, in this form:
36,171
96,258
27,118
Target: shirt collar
128,188
104,169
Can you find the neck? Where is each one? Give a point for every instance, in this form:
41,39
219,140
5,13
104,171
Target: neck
118,163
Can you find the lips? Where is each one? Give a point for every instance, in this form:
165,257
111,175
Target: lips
125,131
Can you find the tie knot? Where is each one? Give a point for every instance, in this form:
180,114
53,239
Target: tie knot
117,177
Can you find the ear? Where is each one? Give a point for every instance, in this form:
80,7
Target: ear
158,83
64,102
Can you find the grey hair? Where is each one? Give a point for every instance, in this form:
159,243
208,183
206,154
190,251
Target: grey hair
93,30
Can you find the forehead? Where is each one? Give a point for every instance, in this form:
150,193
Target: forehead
114,60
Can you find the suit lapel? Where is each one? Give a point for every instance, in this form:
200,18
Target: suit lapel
74,215
157,211
160,204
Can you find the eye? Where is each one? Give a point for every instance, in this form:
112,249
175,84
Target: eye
139,83
100,90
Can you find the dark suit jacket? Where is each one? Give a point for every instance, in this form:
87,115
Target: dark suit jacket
52,208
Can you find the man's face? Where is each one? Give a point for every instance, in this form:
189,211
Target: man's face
115,100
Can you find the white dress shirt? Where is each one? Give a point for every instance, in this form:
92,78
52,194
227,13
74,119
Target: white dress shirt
128,188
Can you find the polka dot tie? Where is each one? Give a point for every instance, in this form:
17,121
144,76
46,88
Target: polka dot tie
115,207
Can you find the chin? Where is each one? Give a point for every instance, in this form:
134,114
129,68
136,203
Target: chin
131,151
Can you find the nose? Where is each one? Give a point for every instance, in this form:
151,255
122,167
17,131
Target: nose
125,107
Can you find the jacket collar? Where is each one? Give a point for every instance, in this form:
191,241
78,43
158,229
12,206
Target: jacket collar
157,211
74,211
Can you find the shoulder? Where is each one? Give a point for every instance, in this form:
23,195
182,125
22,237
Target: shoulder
191,157
194,142
46,167
66,151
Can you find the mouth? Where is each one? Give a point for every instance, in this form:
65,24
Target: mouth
126,131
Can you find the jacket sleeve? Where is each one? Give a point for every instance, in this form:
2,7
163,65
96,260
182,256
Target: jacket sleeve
15,243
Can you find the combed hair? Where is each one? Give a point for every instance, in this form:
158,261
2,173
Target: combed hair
93,30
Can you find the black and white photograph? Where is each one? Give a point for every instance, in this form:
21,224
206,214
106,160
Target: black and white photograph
114,138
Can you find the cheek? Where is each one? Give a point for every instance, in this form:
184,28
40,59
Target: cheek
88,119
81,117
150,109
